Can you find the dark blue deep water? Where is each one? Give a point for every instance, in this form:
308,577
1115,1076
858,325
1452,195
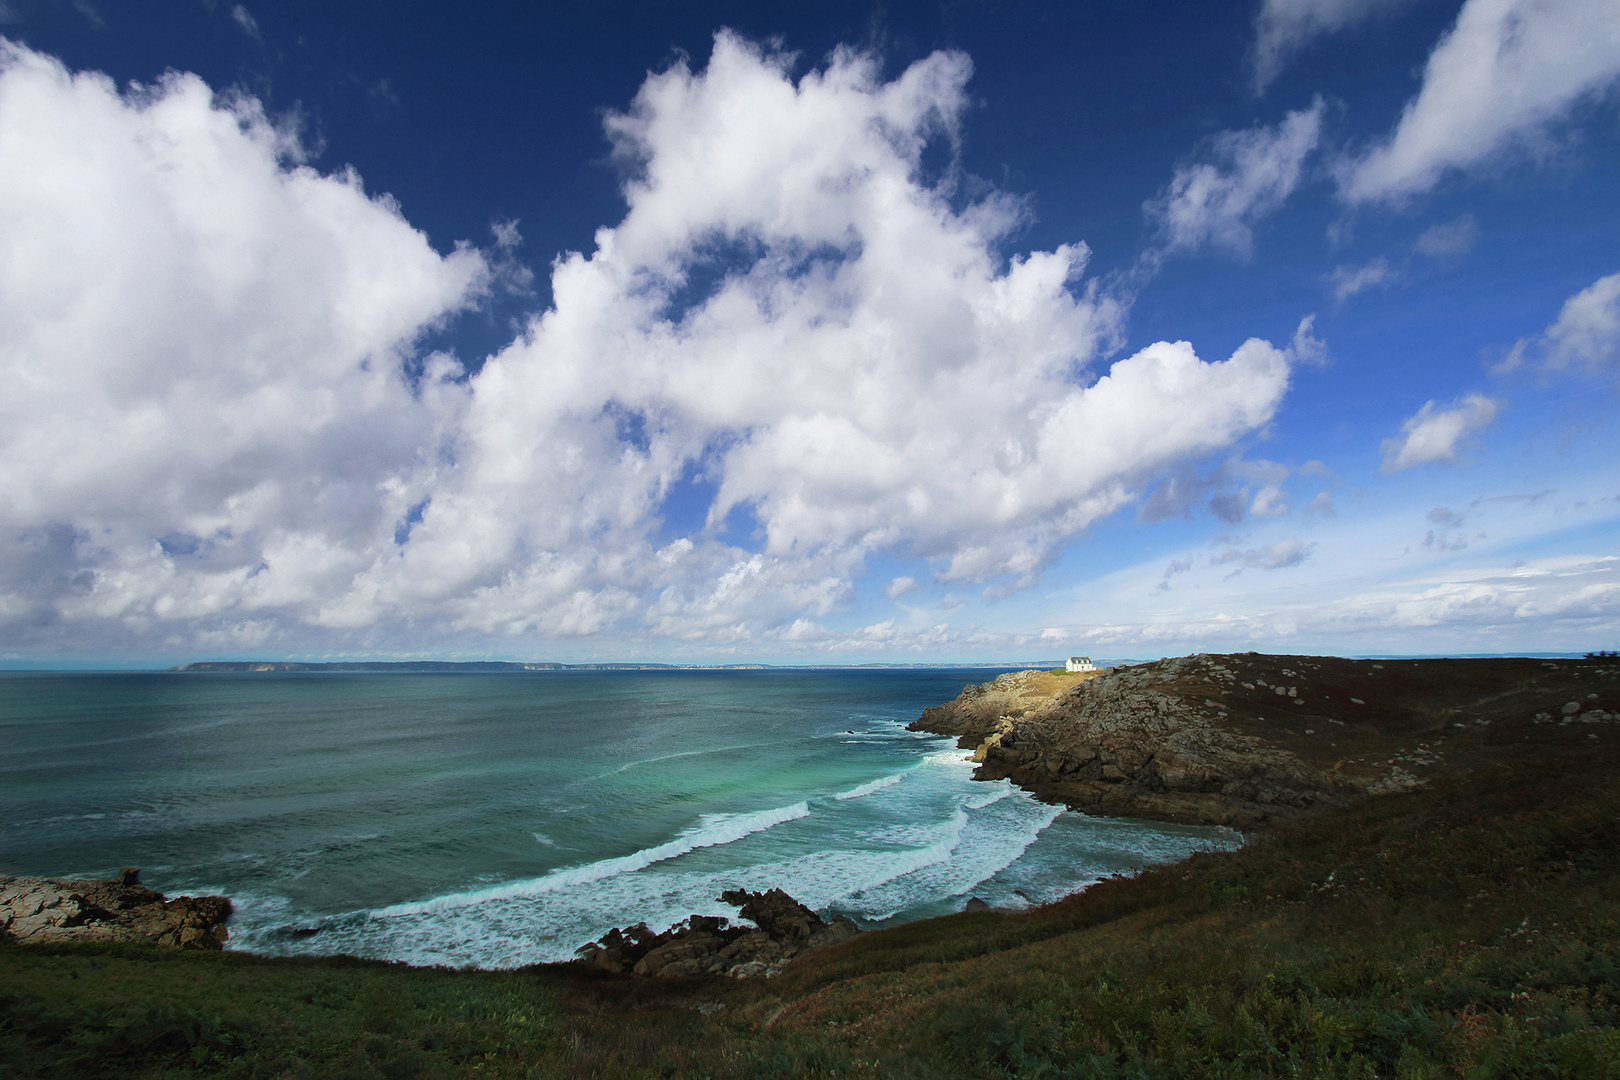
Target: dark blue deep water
502,819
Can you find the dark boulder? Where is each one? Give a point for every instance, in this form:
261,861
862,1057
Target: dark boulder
707,945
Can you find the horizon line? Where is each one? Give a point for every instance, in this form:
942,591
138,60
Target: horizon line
265,666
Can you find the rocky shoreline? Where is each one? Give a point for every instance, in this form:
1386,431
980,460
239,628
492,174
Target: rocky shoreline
49,911
54,911
1246,740
707,945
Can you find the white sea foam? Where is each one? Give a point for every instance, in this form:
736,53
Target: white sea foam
909,862
951,848
255,918
712,831
900,735
997,836
999,792
627,766
1008,850
952,760
871,786
507,927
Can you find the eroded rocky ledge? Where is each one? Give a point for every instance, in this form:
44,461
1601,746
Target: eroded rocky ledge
46,911
707,945
1247,739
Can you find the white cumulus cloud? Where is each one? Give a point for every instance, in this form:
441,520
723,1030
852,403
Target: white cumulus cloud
1585,334
1433,435
1587,331
1504,72
210,431
868,375
1217,203
201,342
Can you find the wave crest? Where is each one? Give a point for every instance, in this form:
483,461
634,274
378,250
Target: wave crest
713,831
871,786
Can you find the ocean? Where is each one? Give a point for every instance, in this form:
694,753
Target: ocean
504,819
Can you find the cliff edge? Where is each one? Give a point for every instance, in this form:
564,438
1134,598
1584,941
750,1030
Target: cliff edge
1247,739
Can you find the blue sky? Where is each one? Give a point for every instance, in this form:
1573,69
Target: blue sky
845,333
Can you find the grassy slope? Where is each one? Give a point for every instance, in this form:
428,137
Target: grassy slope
1437,934
1469,930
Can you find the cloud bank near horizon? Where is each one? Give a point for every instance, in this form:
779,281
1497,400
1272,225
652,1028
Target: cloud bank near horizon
797,351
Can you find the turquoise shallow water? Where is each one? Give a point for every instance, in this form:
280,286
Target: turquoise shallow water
504,819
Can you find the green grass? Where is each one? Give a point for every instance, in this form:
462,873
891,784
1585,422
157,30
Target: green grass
1471,931
139,1011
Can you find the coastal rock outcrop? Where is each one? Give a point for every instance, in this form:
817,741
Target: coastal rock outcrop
1127,743
708,945
45,911
1247,739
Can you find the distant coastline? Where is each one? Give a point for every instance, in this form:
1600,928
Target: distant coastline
19,665
478,666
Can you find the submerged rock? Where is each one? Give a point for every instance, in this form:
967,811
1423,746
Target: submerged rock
708,945
44,911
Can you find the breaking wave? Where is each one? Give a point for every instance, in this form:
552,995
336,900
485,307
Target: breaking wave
715,830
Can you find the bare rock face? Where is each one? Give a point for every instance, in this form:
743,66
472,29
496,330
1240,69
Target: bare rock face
1128,743
44,911
1137,743
707,945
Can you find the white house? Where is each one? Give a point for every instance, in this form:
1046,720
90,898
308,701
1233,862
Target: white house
1080,663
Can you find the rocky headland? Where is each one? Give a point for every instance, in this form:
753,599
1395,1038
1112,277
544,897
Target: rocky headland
1246,740
707,945
50,911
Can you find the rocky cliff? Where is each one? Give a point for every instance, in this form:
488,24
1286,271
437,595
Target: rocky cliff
44,911
1247,739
